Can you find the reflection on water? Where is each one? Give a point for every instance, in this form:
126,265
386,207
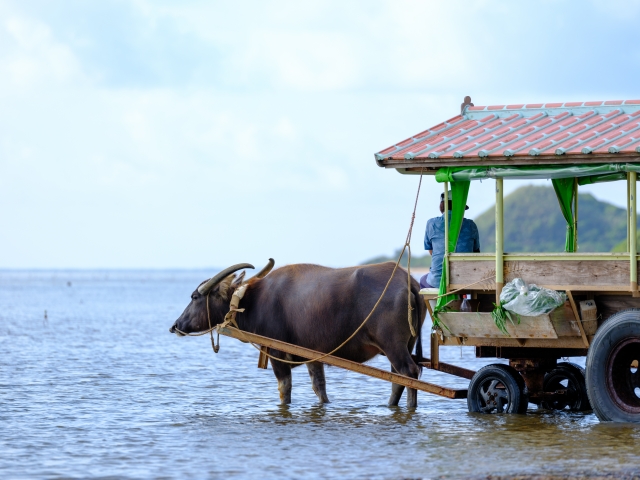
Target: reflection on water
100,388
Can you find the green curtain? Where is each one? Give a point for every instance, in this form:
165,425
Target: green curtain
459,194
608,177
565,188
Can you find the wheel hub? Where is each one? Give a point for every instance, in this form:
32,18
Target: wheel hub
494,395
623,377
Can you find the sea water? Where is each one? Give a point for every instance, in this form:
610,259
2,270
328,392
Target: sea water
98,387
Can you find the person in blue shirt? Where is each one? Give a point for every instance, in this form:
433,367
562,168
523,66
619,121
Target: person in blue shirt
468,241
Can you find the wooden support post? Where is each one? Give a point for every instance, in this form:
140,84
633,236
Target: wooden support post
499,239
445,260
578,319
446,217
575,215
435,350
633,229
263,360
628,212
429,309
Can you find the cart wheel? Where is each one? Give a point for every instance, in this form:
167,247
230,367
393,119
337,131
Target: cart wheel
613,380
567,379
497,388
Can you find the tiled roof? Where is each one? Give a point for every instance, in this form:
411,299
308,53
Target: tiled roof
572,132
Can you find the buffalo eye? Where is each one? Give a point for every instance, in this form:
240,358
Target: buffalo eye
194,296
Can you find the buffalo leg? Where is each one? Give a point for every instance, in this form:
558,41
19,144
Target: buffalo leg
318,383
403,363
396,392
282,372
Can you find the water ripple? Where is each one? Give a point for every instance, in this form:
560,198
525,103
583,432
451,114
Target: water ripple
101,389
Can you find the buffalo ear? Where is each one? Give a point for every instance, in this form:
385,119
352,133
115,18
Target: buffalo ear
223,290
238,281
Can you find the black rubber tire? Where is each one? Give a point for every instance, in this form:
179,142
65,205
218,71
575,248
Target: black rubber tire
613,376
497,388
571,378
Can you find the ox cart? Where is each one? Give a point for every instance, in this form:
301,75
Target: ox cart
571,144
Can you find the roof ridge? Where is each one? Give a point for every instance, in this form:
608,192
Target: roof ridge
554,105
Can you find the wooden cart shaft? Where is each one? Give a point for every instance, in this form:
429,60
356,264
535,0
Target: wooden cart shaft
350,365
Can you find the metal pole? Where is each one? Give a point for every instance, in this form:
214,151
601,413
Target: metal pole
445,260
446,217
575,215
499,240
633,228
628,212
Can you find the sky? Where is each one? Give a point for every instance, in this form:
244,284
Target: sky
196,134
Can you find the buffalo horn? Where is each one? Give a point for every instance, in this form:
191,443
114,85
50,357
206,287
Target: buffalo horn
212,282
265,271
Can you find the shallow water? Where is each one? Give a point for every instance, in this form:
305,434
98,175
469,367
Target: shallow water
100,388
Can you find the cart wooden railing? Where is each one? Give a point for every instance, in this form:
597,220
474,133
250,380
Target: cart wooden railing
604,272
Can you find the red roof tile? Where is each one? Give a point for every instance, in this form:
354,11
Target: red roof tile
509,132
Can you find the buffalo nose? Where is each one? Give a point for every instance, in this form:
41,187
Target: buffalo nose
173,328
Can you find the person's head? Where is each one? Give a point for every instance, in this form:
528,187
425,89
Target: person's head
442,205
449,202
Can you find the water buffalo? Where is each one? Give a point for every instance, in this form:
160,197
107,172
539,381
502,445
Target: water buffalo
318,308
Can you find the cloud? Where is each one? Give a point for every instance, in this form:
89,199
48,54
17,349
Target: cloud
328,46
131,131
32,56
626,11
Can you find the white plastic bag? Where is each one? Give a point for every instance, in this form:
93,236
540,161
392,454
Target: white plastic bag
530,300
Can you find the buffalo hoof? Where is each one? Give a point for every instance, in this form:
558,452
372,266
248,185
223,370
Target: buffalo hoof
412,398
284,387
322,396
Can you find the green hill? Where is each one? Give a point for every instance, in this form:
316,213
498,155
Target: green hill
533,223
622,246
417,261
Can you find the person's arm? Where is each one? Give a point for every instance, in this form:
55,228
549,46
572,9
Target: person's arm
476,239
427,238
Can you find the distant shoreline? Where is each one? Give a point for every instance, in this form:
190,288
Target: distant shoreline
419,271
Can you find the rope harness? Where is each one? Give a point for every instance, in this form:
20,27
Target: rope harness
230,317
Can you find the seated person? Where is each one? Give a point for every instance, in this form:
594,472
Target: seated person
468,241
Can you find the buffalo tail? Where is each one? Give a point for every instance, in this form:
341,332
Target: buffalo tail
419,313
